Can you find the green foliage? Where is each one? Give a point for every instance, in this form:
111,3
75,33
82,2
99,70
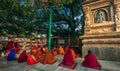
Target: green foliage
16,19
24,19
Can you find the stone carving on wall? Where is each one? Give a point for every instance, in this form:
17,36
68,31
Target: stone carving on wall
100,16
117,17
87,20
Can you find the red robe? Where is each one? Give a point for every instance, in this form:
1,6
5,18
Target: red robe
68,58
91,61
16,49
9,45
22,57
54,50
66,49
31,60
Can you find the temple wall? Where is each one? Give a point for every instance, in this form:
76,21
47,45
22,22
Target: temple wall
102,29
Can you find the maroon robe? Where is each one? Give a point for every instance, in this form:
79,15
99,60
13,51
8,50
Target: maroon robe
9,45
16,49
22,57
68,58
91,61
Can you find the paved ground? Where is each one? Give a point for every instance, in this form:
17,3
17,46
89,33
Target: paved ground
14,66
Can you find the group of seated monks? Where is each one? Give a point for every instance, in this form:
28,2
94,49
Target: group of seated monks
44,55
35,55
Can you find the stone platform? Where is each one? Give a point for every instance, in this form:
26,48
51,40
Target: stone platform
14,66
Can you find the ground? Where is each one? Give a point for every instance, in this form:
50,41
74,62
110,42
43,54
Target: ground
15,66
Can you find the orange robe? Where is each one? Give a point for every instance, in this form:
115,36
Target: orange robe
31,60
68,59
49,58
61,50
39,55
6,54
46,50
73,53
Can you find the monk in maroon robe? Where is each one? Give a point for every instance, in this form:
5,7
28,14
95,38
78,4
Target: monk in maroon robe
22,57
68,59
66,48
9,45
54,50
16,46
90,61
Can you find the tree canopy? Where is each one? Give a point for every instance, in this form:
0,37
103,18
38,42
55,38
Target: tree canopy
26,19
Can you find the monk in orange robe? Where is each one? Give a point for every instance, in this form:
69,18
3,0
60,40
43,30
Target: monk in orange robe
73,53
54,50
40,48
49,58
46,49
61,50
68,58
90,61
31,58
39,55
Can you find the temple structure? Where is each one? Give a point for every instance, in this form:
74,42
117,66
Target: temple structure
102,28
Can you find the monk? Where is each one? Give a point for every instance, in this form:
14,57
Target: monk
11,55
54,50
66,48
46,49
49,58
90,61
40,48
9,44
23,56
31,60
61,50
68,58
16,46
39,55
73,53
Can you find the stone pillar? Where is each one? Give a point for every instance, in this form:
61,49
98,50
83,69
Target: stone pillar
87,19
117,17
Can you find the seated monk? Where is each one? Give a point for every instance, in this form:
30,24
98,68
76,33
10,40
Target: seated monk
73,53
90,61
49,58
16,45
22,57
10,44
66,48
54,50
68,59
61,50
31,59
6,54
33,47
11,55
39,55
46,49
40,48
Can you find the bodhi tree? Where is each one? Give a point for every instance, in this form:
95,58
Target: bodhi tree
68,18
